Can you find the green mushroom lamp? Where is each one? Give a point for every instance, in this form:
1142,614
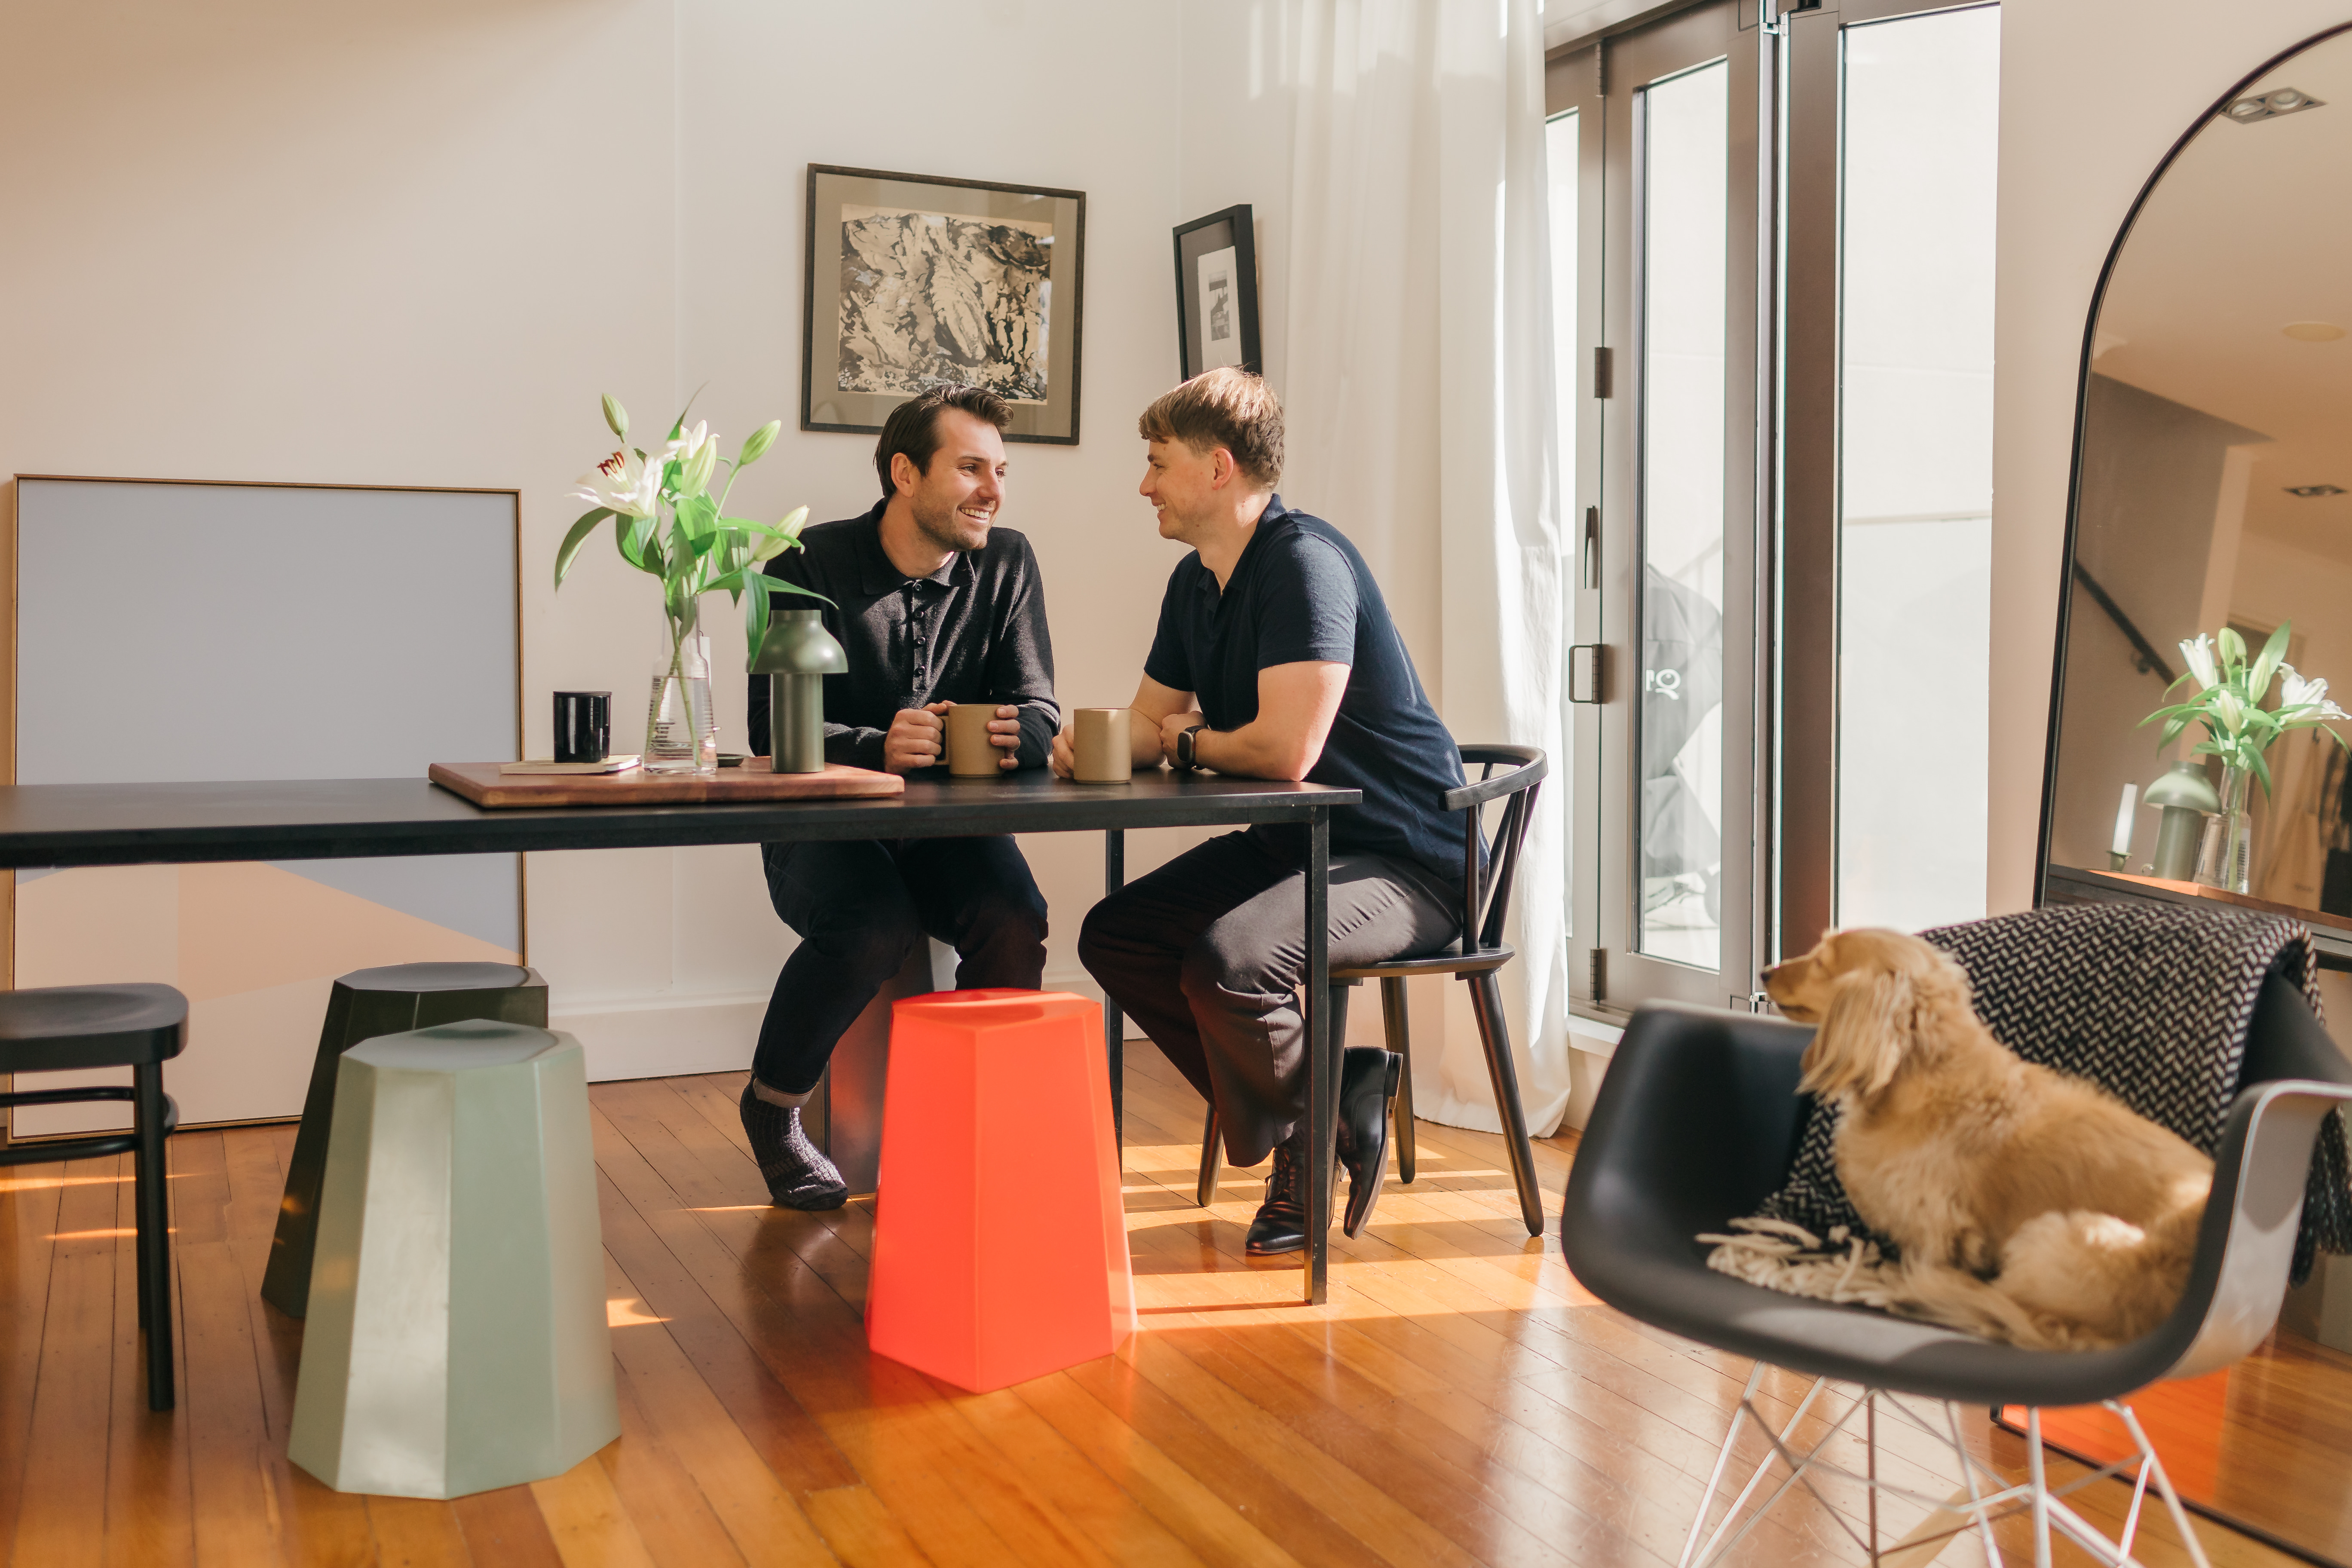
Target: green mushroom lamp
2186,797
797,655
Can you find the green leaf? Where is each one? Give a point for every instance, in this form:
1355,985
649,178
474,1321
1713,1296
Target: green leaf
576,538
699,514
678,429
778,585
756,444
616,416
2261,771
755,629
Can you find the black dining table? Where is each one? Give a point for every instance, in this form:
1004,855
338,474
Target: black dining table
46,825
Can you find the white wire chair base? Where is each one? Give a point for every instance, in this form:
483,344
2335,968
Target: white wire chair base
1974,1506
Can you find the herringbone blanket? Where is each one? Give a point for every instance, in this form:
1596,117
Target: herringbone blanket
2152,1002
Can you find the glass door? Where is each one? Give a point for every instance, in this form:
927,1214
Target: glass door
1675,799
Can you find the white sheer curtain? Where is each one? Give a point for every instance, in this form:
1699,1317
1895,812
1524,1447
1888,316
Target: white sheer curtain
1419,387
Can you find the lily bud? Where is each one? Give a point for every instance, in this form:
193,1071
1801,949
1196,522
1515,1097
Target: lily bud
756,446
695,478
616,416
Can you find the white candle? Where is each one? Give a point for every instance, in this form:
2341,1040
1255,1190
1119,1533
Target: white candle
2124,819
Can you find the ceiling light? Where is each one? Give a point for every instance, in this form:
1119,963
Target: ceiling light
2307,491
2311,332
2270,105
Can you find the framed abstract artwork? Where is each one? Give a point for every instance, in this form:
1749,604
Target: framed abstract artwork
1216,293
915,281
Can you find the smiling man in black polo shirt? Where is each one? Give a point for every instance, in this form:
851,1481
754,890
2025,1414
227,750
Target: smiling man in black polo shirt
1275,658
936,605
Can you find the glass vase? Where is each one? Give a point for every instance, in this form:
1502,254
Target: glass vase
681,732
2226,857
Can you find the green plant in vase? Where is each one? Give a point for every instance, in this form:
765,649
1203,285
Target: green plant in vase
667,524
2229,705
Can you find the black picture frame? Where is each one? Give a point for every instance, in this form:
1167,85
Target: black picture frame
1198,312
1037,354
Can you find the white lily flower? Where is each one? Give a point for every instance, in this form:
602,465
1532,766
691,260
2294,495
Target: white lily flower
625,483
2295,691
2199,655
689,442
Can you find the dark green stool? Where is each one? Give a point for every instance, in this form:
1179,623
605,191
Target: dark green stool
367,1002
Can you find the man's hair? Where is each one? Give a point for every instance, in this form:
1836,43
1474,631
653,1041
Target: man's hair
913,427
1223,408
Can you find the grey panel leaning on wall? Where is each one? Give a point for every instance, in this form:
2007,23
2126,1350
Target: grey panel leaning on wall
173,633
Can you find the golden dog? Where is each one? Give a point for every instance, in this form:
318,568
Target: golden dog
2028,1205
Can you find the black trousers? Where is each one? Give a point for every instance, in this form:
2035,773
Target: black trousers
1207,953
860,907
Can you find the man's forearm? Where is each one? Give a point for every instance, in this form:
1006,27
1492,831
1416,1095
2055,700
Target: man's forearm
1040,722
854,746
1255,751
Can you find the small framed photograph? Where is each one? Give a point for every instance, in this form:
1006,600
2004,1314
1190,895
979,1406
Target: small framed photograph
1216,293
915,281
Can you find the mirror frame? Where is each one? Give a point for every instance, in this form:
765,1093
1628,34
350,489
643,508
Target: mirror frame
2082,410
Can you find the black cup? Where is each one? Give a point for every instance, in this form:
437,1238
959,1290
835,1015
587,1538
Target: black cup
584,726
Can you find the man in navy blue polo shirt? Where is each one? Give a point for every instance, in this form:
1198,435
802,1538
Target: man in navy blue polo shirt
1275,658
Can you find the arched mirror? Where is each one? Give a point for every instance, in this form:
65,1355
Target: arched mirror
2212,499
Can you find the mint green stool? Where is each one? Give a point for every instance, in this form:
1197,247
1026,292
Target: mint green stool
457,1337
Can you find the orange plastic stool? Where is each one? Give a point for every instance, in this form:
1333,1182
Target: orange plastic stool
1000,1239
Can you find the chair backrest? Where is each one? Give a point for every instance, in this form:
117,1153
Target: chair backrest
2245,1248
1487,890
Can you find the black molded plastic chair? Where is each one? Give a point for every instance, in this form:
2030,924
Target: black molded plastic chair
67,1028
1698,1120
1486,903
364,1003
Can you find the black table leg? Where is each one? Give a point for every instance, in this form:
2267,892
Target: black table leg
1114,1035
1322,1058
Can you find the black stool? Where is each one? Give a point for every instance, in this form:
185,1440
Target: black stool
62,1028
367,1002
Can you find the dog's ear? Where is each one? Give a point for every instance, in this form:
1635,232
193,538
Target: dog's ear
1861,1042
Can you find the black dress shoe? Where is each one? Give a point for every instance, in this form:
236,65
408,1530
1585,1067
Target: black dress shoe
1281,1223
798,1174
1367,1081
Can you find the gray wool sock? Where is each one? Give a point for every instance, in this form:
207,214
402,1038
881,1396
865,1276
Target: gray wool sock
777,1096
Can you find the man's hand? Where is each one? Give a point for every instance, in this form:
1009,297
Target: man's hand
1062,759
1175,725
914,739
1004,730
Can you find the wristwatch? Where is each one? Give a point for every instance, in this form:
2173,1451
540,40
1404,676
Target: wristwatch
1184,759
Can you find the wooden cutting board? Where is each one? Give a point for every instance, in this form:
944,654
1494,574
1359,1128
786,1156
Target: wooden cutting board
482,783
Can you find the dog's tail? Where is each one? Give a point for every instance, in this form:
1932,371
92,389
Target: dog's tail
1938,1293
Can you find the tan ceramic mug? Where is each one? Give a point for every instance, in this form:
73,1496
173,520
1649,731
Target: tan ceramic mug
1100,751
969,757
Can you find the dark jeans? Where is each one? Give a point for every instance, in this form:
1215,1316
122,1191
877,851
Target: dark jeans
1207,953
861,907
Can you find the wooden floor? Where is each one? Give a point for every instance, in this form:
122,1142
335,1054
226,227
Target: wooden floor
1460,1400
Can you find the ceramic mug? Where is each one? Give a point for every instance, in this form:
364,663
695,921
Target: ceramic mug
969,757
1100,751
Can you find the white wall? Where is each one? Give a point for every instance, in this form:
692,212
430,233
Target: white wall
2093,92
261,239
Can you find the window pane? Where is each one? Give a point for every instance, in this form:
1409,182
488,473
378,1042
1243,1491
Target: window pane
1915,475
1684,188
1561,155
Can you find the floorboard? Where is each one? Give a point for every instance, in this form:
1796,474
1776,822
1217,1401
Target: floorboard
1461,1400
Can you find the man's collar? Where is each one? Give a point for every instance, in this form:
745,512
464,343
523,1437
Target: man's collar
1275,513
877,575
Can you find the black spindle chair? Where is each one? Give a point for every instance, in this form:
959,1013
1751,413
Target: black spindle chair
61,1029
1475,960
